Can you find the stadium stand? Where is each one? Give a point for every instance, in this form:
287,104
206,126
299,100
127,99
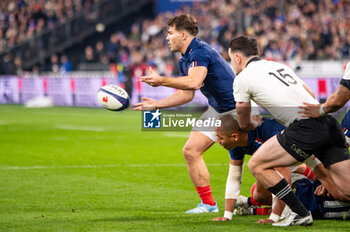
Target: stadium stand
286,30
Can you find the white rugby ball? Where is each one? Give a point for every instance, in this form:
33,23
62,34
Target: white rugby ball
113,97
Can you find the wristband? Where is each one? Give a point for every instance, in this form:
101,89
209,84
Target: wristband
322,110
274,217
228,214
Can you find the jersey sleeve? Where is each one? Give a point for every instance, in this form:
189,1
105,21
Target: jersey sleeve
241,89
199,57
346,78
345,124
237,153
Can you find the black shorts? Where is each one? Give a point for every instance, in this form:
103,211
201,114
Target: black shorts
321,137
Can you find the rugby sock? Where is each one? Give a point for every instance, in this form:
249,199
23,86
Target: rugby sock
262,211
308,173
206,195
283,191
252,202
250,199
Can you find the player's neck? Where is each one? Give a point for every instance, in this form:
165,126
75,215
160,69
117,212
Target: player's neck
187,43
242,139
249,59
245,140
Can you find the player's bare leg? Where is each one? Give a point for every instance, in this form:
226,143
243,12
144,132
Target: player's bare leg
271,154
340,173
261,194
193,150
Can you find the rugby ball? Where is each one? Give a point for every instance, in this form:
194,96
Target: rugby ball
113,97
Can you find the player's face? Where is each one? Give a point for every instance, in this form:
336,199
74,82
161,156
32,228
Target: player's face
226,141
235,61
174,39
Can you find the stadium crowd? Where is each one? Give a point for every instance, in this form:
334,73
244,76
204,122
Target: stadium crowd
21,20
285,30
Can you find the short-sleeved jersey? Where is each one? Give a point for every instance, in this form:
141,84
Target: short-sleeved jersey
273,86
346,78
345,124
217,85
257,137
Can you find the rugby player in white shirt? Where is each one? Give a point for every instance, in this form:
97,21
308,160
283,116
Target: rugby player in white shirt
277,89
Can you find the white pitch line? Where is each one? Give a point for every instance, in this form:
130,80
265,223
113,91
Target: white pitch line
3,122
178,135
101,166
81,128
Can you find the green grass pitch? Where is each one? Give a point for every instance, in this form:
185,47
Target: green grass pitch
81,169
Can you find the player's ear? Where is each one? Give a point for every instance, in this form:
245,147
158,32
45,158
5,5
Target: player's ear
238,57
234,136
183,35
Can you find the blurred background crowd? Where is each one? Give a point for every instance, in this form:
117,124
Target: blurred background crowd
286,30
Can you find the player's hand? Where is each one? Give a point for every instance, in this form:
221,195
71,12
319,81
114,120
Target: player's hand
147,104
310,110
321,191
220,219
265,221
259,118
153,79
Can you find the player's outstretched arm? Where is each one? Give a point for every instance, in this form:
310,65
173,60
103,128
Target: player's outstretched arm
334,102
193,81
178,98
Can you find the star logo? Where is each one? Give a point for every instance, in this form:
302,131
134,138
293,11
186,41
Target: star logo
151,119
156,115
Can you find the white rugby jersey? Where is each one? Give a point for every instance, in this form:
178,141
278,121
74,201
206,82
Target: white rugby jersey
347,72
273,86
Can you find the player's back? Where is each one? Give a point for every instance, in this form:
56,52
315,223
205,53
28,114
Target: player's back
217,86
273,86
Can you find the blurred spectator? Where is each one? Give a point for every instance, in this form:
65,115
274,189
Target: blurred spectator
54,65
113,47
17,68
89,56
66,65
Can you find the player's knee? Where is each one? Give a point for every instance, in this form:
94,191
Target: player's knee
190,153
252,166
258,197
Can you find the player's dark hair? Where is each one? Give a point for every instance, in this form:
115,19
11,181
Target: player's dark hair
244,44
184,22
229,124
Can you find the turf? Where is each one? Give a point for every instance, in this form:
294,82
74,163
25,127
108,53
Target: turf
81,169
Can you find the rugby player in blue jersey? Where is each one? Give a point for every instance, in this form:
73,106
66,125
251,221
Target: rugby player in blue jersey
345,125
201,67
239,143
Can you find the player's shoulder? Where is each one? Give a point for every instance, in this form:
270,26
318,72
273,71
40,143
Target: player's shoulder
347,72
270,124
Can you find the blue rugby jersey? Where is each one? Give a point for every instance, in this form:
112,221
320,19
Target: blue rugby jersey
345,124
218,84
257,137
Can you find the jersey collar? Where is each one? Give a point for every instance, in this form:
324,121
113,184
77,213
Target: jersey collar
190,46
252,60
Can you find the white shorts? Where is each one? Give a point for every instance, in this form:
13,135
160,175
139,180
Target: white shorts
211,113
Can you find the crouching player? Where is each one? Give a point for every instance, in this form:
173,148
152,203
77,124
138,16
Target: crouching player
239,143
